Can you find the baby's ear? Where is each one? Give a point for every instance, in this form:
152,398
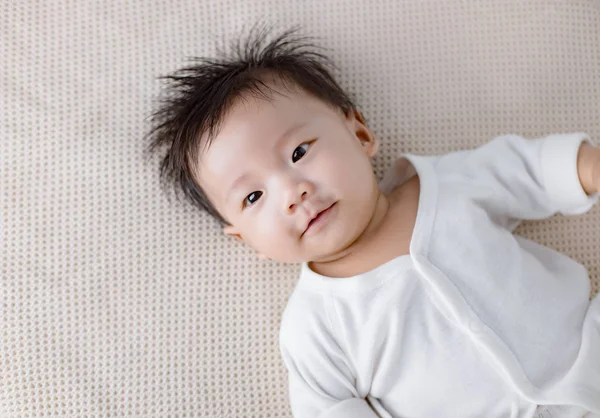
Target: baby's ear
353,114
232,231
359,128
375,147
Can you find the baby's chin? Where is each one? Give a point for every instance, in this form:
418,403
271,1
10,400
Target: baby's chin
318,250
336,249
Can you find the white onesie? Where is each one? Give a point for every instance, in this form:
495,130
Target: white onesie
475,321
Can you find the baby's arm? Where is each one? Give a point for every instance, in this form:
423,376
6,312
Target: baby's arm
588,169
513,178
320,383
321,380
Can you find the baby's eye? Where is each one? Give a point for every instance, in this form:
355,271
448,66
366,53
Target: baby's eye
295,154
249,197
301,153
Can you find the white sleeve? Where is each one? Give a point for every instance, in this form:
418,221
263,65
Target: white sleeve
321,385
514,178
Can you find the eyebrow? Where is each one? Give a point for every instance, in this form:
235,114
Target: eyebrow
243,177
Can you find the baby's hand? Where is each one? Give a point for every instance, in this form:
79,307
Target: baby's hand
596,173
588,168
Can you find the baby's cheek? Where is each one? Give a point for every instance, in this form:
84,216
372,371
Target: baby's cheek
269,235
336,171
284,244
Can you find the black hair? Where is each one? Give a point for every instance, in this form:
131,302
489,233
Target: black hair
199,96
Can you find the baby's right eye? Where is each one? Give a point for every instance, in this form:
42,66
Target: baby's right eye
258,194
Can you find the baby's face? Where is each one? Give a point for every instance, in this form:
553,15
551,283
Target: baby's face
275,165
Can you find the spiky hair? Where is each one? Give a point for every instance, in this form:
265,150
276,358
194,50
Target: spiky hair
198,97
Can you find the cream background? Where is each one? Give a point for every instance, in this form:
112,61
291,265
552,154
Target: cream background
115,302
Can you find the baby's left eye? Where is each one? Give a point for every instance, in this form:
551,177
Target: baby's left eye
301,153
256,195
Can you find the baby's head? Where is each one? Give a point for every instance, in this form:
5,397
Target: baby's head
263,142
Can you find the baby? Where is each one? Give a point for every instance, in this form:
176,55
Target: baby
414,299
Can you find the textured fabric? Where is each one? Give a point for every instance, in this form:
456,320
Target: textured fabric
117,301
474,320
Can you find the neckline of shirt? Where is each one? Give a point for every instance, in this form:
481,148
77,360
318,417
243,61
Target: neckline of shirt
311,280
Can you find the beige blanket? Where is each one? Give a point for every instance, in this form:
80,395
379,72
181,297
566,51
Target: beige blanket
118,302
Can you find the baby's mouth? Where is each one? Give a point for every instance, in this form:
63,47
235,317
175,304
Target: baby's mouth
316,218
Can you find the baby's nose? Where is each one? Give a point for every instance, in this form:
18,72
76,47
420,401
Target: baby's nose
297,201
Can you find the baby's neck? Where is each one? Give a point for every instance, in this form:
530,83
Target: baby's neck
387,236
